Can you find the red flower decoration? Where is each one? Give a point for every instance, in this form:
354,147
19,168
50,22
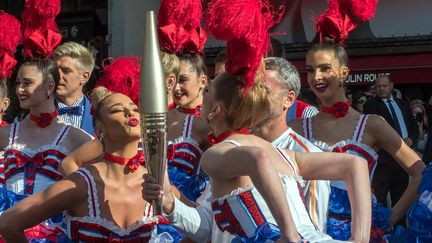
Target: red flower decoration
338,109
44,119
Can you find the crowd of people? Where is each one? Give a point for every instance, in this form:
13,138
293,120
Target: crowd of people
247,160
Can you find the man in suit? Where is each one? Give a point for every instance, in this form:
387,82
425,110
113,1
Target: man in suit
389,177
75,64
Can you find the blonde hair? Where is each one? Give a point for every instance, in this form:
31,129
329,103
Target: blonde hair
83,55
3,90
99,94
170,64
243,109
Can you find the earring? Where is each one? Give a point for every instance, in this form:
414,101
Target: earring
101,137
48,95
210,116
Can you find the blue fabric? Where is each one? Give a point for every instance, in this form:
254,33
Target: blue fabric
291,114
87,119
171,230
339,215
74,110
419,217
190,186
265,233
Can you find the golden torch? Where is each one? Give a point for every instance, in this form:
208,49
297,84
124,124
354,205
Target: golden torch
153,107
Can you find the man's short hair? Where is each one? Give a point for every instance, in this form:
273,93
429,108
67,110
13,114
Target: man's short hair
83,55
289,76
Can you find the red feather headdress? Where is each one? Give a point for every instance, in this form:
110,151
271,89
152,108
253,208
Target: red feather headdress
10,36
179,26
41,35
122,76
342,17
244,24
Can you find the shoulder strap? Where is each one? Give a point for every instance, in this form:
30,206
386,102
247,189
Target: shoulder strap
92,199
62,135
360,127
187,127
13,133
307,128
287,160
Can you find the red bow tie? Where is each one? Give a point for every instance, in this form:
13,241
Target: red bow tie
214,140
338,109
44,119
194,111
133,163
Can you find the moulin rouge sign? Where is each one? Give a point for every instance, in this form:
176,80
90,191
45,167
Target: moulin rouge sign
364,78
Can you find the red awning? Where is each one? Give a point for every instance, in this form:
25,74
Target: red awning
402,69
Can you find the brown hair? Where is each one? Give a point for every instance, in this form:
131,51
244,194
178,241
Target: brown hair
3,90
46,67
243,109
337,49
196,61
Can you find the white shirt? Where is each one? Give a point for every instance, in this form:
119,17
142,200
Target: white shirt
399,117
316,192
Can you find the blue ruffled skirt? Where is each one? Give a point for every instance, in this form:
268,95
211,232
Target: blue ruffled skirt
339,215
419,215
190,186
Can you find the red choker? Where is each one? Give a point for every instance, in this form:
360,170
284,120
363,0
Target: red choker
223,136
172,106
133,163
44,119
194,111
3,124
338,109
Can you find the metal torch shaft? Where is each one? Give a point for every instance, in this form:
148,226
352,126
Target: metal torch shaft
153,106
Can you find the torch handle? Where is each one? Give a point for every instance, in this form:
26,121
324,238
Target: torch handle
154,130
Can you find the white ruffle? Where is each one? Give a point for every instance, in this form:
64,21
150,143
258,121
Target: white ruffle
111,225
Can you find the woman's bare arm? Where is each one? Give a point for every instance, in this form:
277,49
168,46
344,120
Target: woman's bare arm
63,195
351,169
85,153
388,139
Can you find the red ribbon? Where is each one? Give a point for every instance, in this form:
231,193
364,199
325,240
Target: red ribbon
194,111
334,24
172,38
133,163
338,109
196,41
36,160
224,135
42,44
7,63
44,119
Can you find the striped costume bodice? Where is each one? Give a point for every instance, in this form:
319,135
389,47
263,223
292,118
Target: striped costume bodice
94,228
243,215
184,169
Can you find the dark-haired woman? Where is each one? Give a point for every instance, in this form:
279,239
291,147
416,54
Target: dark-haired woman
249,175
339,128
187,133
34,148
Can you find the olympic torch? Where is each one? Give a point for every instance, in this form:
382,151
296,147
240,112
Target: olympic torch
153,107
